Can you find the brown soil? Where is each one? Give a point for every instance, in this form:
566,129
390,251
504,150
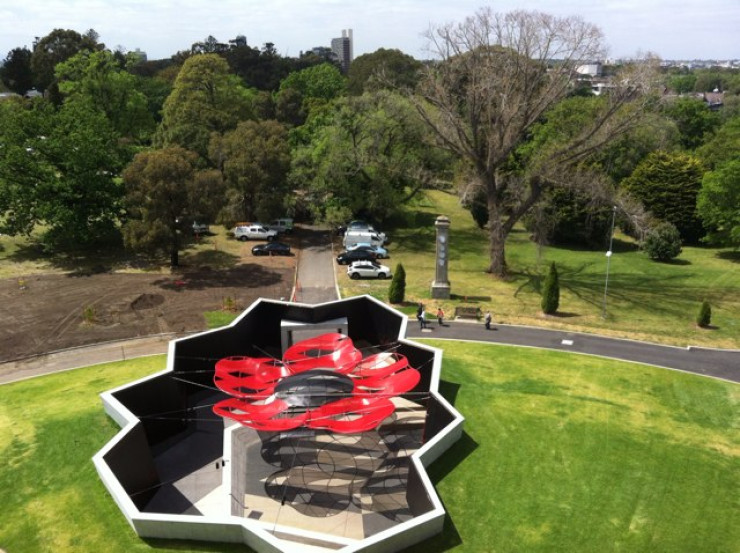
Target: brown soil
44,313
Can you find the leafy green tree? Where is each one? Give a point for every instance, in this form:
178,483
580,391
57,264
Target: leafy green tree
682,84
206,98
15,71
493,86
97,78
551,291
397,289
370,157
289,107
667,184
382,69
663,242
694,119
57,169
54,48
724,144
570,217
718,204
704,318
254,159
323,82
164,190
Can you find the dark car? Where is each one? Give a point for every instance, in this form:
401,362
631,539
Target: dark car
345,258
271,248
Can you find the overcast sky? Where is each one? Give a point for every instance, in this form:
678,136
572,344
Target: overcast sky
673,29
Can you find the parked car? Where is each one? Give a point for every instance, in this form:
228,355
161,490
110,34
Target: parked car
368,269
345,258
352,237
379,251
284,225
200,228
271,248
253,232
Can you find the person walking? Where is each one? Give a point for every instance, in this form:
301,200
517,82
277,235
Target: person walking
422,318
487,320
440,316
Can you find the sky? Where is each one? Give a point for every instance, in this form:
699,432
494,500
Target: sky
672,29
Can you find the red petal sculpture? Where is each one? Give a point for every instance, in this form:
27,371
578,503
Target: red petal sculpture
309,387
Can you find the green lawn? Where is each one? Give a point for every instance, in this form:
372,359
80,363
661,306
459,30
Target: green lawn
561,453
646,300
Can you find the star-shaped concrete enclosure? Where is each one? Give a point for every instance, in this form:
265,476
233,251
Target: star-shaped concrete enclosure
178,470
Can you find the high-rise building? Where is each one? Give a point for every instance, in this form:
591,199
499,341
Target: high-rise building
342,47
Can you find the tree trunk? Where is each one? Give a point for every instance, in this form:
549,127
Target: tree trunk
496,240
174,257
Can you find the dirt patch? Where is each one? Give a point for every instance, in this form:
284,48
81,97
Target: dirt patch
147,301
43,313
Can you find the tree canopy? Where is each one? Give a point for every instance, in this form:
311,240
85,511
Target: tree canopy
668,184
15,71
57,169
206,98
97,78
719,204
165,191
496,80
369,158
254,159
383,68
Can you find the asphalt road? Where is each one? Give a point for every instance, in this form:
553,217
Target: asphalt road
724,364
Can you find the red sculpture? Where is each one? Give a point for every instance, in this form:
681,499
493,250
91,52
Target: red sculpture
321,383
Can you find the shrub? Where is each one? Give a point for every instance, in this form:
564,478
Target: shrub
662,242
397,289
704,318
551,292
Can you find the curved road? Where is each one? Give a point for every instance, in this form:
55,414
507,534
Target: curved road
315,283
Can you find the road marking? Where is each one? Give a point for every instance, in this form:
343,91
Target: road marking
567,342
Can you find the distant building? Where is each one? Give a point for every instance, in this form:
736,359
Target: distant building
343,49
591,69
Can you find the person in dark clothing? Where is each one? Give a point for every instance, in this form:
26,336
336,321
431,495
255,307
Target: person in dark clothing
487,320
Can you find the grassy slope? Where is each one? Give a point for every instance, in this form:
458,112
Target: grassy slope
51,498
561,453
646,300
570,453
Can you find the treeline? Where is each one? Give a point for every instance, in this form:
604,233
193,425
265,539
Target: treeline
122,150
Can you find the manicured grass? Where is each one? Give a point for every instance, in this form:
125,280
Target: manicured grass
51,499
216,319
646,300
566,453
560,453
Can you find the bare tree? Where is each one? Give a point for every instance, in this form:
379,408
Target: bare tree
498,76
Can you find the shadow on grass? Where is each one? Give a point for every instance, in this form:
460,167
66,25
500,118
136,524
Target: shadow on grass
676,262
563,315
733,256
206,547
215,259
248,276
450,537
470,299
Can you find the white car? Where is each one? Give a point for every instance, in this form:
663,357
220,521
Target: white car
368,269
379,251
253,232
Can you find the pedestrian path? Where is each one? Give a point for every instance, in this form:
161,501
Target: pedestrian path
717,363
